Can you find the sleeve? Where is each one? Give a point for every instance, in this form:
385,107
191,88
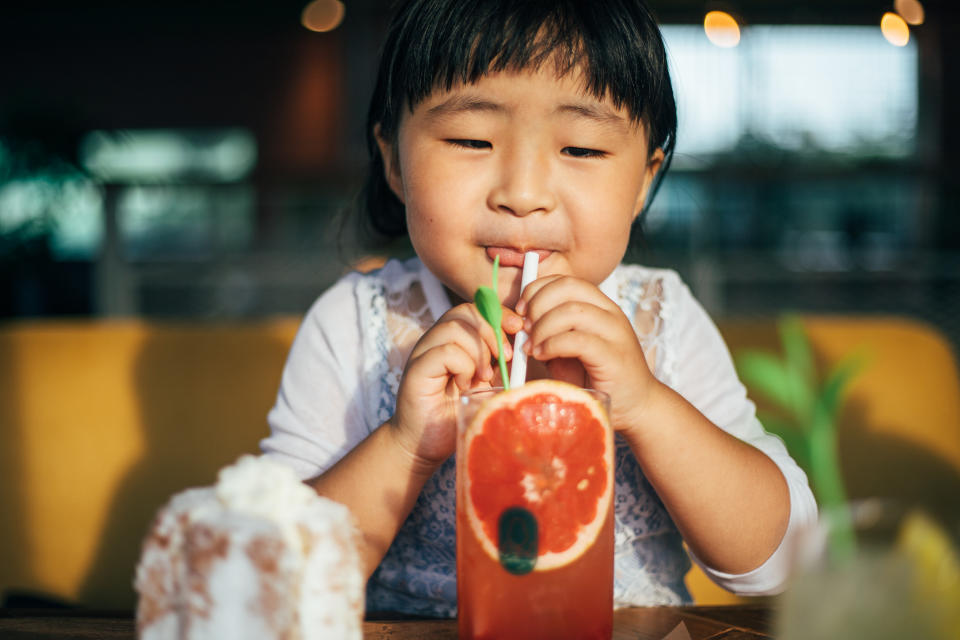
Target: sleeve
318,416
705,375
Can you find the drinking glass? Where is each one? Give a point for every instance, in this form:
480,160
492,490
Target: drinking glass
505,587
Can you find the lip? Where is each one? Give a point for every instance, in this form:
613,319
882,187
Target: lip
513,257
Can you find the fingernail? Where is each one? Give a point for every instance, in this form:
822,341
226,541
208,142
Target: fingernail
527,325
521,306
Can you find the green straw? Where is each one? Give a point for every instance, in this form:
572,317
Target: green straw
488,303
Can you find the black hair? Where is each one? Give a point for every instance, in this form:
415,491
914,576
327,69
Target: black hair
436,44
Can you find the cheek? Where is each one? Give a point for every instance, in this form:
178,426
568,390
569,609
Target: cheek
602,230
431,188
429,214
602,246
434,225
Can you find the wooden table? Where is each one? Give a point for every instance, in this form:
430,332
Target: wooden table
741,622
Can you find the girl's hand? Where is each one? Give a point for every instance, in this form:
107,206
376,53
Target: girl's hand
585,339
454,355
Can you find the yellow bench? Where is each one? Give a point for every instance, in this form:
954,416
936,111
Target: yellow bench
100,422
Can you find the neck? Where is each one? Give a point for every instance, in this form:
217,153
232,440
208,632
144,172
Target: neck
454,298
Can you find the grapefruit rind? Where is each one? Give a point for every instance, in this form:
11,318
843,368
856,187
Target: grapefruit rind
587,534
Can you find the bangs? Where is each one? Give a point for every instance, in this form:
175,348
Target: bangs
614,44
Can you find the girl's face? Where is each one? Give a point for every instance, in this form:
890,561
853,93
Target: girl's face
518,162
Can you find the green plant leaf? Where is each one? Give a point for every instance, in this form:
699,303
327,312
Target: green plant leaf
767,375
799,362
826,477
837,380
796,346
488,304
808,424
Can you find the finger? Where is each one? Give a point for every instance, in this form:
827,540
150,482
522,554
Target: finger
450,329
590,349
443,362
578,316
464,325
462,333
532,289
486,331
553,291
512,321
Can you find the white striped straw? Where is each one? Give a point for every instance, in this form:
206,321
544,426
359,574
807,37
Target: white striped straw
518,368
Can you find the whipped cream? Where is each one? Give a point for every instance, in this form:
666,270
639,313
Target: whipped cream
258,555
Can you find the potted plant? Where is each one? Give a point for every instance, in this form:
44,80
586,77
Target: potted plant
906,586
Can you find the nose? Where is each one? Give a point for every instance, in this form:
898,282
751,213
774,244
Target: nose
522,185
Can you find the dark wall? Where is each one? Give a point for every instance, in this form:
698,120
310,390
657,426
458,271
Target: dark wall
116,64
66,71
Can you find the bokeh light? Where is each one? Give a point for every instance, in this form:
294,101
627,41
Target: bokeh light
721,29
910,10
161,155
322,15
894,29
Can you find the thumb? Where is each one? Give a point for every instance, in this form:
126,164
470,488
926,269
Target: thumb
512,321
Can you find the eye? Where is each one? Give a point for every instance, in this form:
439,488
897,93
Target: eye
581,152
470,144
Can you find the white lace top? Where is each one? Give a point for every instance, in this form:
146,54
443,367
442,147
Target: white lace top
341,380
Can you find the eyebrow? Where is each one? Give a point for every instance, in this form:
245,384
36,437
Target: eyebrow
465,103
600,114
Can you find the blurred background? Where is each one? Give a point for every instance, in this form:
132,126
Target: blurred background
176,188
191,160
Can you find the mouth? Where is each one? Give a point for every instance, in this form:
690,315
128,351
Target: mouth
513,257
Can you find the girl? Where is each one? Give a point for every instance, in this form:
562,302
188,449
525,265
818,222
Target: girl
498,127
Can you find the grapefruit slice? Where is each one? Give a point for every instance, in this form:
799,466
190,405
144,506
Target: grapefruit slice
546,447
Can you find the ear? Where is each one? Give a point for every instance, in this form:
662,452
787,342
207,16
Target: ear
391,163
654,162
